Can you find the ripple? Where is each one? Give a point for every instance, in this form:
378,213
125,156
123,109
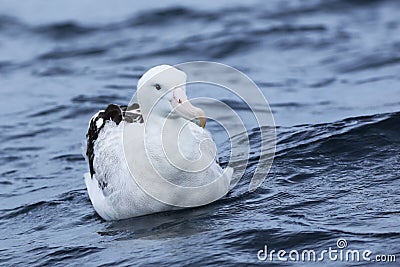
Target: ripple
49,111
288,29
73,53
55,255
64,30
30,134
169,15
70,157
98,99
370,62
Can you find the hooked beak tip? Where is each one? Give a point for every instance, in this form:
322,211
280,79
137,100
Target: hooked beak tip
202,121
201,117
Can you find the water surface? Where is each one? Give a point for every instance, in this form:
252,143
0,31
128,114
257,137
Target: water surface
330,70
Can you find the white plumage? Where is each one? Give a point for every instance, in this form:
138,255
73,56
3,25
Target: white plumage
155,159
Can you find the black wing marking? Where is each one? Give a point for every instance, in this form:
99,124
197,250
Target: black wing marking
113,113
132,113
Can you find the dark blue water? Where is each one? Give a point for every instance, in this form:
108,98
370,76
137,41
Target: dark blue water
330,70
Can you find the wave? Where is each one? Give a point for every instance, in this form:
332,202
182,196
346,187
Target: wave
49,256
346,134
41,208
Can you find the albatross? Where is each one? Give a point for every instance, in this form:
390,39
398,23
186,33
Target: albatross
154,155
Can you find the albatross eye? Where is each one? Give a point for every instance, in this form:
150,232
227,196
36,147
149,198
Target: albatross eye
157,86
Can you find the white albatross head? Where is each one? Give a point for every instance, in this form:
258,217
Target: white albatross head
164,87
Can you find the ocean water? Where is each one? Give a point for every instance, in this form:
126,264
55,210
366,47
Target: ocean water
330,70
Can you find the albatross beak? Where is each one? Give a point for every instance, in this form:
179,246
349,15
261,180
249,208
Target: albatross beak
185,109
